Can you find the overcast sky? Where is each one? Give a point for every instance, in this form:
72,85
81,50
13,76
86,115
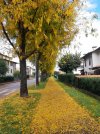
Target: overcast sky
81,43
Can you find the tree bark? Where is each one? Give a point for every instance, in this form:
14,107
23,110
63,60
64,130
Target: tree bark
43,76
23,78
22,46
37,70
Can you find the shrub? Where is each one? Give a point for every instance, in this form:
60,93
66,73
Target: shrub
1,79
90,84
17,75
6,79
3,67
68,78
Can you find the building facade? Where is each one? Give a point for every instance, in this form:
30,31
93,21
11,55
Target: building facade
14,66
30,71
91,62
11,64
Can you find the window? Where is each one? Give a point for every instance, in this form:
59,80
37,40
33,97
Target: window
85,63
11,64
90,61
11,71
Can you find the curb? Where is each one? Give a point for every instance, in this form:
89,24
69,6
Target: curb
9,82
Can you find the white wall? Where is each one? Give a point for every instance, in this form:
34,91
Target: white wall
95,62
77,71
96,58
11,69
88,67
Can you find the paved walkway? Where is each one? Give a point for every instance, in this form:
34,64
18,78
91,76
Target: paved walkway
11,87
58,113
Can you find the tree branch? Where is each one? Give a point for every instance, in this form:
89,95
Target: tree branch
7,36
34,14
34,51
4,2
29,54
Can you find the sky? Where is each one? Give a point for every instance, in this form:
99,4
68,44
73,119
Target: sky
81,43
96,5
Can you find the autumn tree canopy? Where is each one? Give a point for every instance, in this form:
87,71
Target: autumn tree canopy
29,25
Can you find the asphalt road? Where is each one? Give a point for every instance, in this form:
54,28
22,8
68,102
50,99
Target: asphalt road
9,88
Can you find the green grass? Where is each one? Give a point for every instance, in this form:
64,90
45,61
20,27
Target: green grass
89,102
16,113
41,85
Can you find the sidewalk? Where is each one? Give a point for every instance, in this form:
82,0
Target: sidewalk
4,83
58,113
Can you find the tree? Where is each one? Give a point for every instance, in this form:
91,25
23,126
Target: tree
47,61
29,25
57,33
69,62
3,67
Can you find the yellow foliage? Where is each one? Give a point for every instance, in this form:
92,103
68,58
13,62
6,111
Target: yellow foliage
16,113
47,25
58,113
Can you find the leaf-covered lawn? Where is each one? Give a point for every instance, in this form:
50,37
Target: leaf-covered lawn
55,112
58,113
16,113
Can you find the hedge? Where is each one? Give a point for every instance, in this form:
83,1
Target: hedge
90,84
68,78
6,79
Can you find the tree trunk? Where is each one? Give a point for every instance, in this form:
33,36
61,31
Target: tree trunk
37,70
43,76
23,77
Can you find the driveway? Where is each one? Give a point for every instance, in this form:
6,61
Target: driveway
8,88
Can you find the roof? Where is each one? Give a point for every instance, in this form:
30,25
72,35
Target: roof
8,59
98,49
4,55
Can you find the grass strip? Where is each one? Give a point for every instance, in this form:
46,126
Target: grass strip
86,100
16,113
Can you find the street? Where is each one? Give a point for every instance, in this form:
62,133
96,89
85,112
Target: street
8,88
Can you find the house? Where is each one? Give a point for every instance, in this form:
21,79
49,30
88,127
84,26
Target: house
91,62
11,64
78,70
30,68
30,71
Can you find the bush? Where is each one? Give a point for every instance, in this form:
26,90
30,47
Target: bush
17,75
3,67
1,79
90,84
6,79
68,78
